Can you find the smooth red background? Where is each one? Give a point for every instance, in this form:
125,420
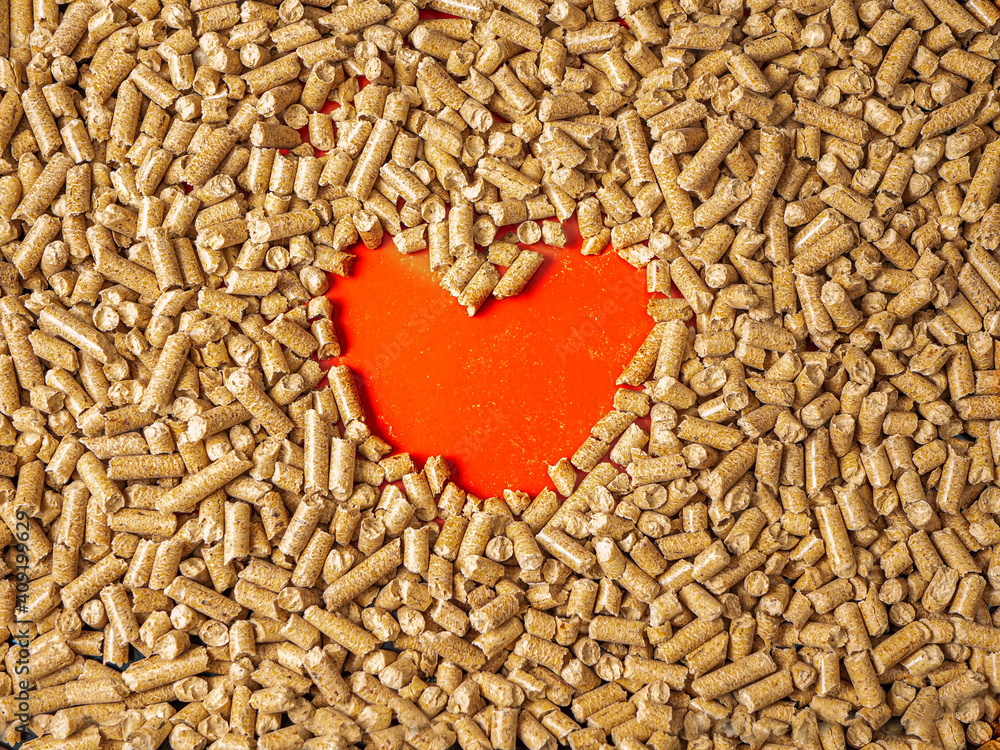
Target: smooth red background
505,392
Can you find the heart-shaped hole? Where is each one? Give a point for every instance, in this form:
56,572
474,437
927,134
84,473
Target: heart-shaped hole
502,393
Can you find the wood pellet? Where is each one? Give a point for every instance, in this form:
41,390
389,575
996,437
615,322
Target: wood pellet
782,533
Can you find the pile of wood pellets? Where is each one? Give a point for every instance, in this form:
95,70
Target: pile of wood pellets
781,535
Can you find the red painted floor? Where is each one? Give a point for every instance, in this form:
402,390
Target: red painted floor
504,392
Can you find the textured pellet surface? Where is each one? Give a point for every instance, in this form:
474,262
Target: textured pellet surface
783,532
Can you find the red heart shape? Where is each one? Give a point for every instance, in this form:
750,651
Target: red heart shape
502,393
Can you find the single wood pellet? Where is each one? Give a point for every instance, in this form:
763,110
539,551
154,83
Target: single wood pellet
781,535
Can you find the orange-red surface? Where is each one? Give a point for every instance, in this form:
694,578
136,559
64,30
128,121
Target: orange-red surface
506,391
